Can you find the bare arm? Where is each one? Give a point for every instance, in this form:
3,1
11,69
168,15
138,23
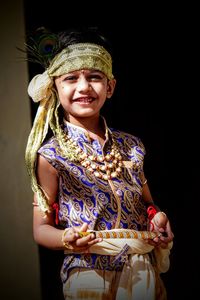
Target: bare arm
161,222
44,231
146,194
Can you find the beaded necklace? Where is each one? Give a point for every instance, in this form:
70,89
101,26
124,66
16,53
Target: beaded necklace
103,167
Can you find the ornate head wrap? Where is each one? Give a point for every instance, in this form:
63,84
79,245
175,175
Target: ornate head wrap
82,56
74,57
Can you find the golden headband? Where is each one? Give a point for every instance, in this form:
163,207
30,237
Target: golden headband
81,56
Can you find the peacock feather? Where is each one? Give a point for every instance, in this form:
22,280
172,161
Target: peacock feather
41,46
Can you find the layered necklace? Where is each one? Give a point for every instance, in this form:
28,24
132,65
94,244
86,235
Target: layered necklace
103,167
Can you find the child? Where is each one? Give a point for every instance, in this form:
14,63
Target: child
90,192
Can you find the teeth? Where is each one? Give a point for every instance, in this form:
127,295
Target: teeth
85,100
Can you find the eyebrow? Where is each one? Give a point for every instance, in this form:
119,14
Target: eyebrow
87,70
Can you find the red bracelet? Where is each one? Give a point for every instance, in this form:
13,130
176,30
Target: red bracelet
151,211
55,207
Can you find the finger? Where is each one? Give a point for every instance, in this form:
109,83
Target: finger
169,231
82,241
165,240
161,229
167,236
95,241
154,243
156,239
84,227
150,242
71,235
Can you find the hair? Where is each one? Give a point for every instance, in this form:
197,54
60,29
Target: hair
45,46
84,35
42,45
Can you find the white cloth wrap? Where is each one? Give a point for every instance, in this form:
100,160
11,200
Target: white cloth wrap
139,278
137,246
113,246
40,87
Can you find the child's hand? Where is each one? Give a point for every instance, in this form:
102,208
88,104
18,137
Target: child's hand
160,224
159,221
76,241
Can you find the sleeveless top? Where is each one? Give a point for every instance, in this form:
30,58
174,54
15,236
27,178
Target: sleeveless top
102,204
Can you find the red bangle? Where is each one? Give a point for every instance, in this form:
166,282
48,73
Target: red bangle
55,207
151,211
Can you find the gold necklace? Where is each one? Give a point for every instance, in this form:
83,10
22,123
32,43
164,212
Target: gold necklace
103,167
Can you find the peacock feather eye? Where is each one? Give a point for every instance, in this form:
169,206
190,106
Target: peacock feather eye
42,46
47,45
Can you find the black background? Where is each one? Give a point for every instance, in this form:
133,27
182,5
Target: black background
155,65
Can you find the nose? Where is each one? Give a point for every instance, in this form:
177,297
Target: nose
83,85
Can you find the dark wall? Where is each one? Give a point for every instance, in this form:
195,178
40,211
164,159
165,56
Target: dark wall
155,99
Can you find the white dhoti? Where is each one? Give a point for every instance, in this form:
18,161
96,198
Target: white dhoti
139,279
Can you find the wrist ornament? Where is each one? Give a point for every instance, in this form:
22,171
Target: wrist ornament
66,244
151,211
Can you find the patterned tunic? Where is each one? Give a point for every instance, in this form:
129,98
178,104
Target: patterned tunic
82,197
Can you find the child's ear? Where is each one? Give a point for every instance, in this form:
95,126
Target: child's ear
111,87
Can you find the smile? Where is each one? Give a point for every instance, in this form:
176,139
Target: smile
84,100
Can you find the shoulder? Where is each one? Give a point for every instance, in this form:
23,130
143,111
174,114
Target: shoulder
126,138
50,144
50,148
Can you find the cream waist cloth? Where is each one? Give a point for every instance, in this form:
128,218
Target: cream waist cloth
132,242
139,278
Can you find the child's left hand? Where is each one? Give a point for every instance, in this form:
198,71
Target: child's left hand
160,223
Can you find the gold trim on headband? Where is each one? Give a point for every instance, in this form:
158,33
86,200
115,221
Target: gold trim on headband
81,56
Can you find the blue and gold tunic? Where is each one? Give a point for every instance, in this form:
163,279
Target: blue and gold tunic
103,204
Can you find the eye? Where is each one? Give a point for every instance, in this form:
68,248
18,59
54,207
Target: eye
95,77
70,78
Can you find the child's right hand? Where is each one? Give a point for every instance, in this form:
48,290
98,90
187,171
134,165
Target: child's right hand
80,243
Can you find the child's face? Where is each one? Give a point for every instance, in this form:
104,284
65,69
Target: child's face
83,93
